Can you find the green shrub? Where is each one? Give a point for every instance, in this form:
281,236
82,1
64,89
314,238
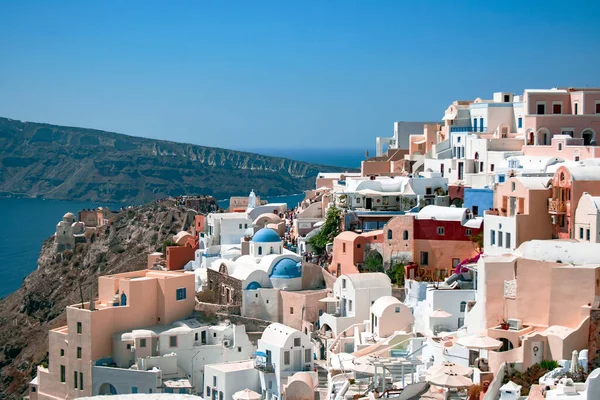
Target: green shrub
166,244
329,230
396,274
550,365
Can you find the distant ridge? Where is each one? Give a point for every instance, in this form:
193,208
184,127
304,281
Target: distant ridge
59,162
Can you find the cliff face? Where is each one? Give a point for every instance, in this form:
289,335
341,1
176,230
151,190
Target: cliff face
39,305
82,164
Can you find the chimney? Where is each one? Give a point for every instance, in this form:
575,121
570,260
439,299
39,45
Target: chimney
92,304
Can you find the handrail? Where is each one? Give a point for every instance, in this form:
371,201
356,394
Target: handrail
337,338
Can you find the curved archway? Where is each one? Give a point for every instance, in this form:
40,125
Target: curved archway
589,137
325,328
106,389
530,137
502,131
373,262
507,345
543,136
223,269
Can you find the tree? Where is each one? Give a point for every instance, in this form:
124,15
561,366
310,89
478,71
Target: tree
373,262
477,241
396,274
328,232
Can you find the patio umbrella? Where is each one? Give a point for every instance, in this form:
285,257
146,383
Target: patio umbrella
342,361
329,300
450,380
246,394
364,368
413,391
440,314
480,342
447,367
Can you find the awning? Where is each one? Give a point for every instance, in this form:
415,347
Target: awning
260,354
449,116
370,192
329,300
420,141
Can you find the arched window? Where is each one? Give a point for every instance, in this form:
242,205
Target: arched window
123,299
463,306
260,250
405,235
390,235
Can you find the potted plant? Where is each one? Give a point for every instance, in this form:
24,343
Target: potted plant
474,392
504,323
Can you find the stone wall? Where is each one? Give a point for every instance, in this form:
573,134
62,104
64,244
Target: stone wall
225,289
594,340
398,293
210,308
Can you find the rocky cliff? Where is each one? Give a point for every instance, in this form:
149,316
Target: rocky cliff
61,278
61,162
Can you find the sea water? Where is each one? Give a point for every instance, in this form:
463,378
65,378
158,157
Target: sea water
28,222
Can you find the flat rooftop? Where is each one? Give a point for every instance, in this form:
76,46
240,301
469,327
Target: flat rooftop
233,366
147,396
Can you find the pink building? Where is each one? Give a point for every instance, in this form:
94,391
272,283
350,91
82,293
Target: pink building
125,301
391,163
568,185
350,250
565,147
570,111
545,291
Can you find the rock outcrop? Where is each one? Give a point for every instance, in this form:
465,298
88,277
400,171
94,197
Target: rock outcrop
63,278
68,163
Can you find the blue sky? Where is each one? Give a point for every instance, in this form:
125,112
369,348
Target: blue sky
282,74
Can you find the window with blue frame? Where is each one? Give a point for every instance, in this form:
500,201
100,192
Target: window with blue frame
169,390
181,294
520,122
134,389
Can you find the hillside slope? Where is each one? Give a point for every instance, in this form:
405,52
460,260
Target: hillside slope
61,162
39,305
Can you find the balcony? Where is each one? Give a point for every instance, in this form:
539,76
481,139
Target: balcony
264,366
556,206
463,129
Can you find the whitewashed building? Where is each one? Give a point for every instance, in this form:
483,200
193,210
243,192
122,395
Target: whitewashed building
353,296
587,219
282,352
168,358
224,379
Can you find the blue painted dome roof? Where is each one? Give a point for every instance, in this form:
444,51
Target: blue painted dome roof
253,286
286,268
266,235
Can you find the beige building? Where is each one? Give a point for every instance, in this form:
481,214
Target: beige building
125,301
